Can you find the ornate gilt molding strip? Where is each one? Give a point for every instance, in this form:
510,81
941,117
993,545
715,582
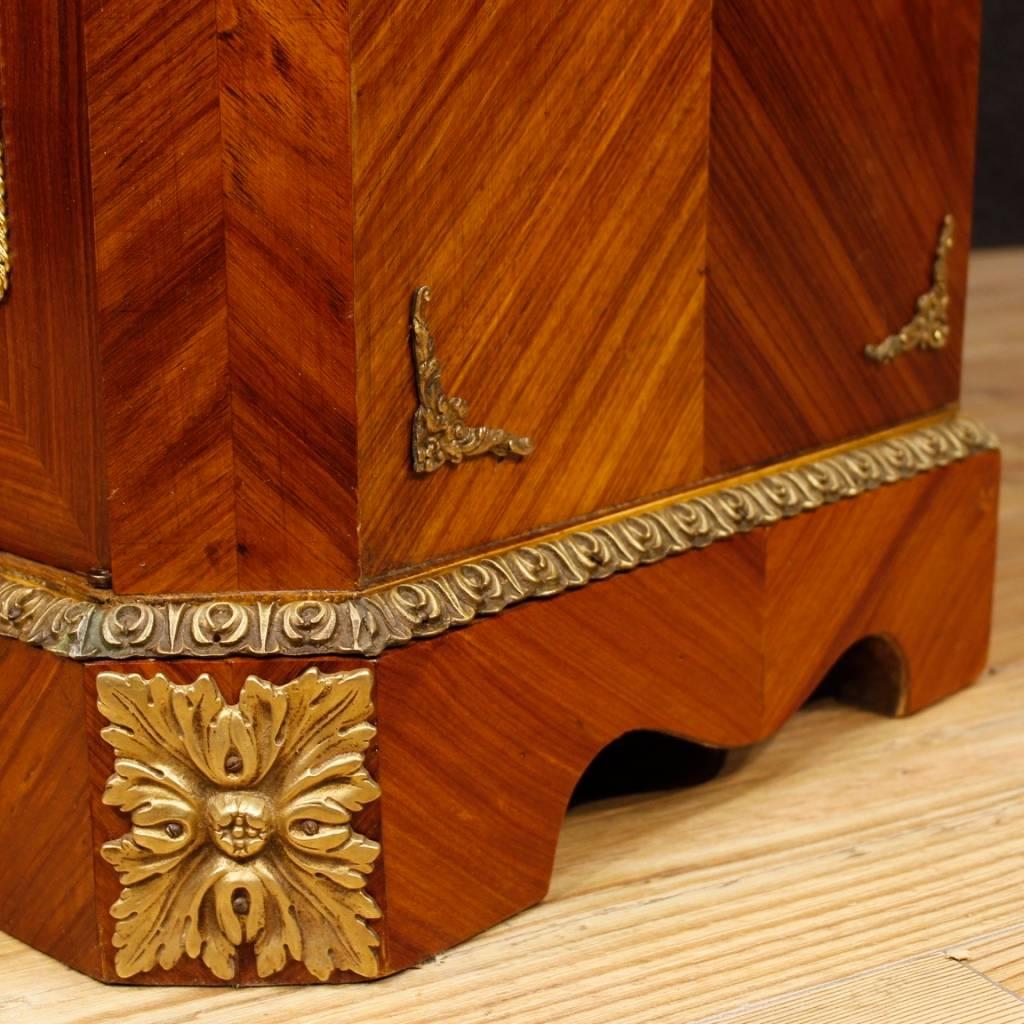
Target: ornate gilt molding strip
396,613
439,431
241,823
5,249
930,327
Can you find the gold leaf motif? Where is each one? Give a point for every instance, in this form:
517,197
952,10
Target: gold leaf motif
439,430
132,624
308,621
930,327
219,622
241,823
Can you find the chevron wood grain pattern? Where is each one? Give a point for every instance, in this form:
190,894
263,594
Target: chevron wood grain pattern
836,151
266,190
220,176
51,499
285,113
44,807
542,167
157,182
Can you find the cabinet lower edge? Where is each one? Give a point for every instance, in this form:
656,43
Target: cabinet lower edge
42,609
284,820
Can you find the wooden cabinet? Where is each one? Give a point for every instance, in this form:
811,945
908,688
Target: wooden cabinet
336,326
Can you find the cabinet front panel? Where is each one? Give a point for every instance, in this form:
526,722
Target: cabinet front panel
542,166
842,133
50,472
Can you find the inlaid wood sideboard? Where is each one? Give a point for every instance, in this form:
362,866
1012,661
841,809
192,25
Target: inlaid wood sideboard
403,401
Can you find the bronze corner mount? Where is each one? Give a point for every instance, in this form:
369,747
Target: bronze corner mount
929,330
440,433
243,823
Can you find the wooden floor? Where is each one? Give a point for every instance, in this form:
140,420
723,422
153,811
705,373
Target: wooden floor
852,869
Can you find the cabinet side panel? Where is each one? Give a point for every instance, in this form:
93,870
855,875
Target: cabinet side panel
161,295
51,486
543,168
841,136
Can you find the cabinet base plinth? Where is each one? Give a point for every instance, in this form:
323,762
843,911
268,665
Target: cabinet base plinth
261,821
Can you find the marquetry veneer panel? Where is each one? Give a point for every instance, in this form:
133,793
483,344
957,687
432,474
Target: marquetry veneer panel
543,167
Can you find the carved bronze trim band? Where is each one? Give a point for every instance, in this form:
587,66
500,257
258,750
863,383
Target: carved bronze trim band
85,626
5,248
929,330
241,821
440,433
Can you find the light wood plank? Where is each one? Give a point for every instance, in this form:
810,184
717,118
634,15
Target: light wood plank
932,990
999,957
993,391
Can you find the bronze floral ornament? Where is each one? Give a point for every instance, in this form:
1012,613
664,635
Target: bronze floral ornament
241,822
